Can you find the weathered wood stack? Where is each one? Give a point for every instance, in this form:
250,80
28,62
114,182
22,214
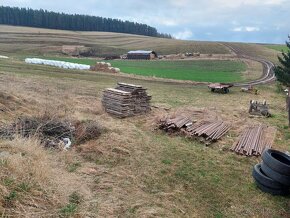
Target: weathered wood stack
175,124
259,108
126,100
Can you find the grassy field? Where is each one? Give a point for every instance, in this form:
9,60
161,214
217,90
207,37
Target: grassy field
278,47
26,40
161,175
201,71
197,70
258,50
156,175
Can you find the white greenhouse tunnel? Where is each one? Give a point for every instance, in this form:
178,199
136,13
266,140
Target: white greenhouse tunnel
60,64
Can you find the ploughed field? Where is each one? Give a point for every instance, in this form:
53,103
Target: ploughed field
194,70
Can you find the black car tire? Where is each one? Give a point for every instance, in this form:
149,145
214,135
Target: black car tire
264,180
272,191
285,180
277,160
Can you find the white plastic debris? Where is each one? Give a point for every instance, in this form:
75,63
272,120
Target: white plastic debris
60,64
67,143
4,57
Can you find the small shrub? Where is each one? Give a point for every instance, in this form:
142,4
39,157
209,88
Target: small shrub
167,162
24,187
87,130
8,181
68,210
75,198
73,167
9,199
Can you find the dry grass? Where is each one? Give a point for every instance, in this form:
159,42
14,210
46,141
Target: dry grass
155,175
32,184
40,41
257,50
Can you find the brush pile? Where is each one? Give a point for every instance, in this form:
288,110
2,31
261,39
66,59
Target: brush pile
254,140
51,130
126,100
105,67
203,130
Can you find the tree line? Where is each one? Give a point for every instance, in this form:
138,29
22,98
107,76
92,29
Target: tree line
76,22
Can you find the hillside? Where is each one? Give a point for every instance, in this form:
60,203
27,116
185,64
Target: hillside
128,169
26,40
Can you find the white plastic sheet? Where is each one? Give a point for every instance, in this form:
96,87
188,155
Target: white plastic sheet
4,57
60,64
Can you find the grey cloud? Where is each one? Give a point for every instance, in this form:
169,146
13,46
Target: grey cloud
191,19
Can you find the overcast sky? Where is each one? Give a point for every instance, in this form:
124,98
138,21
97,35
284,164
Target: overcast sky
265,21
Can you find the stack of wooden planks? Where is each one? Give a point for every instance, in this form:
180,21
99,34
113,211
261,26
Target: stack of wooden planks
254,140
204,130
175,124
126,100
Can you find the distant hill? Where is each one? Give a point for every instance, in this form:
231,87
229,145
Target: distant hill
52,20
15,40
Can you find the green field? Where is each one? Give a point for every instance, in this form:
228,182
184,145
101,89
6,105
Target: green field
201,71
278,47
197,70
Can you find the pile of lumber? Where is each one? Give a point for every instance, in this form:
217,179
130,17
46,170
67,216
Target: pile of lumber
105,67
126,100
175,124
203,130
254,140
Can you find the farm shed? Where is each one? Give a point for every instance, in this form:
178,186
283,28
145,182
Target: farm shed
142,55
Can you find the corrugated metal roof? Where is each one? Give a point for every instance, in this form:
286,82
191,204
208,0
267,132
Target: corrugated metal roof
140,52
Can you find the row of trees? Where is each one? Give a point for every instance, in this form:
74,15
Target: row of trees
52,20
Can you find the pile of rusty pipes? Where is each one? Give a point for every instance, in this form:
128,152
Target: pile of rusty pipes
253,141
210,131
205,131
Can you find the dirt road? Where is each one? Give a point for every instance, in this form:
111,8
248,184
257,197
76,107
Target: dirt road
268,73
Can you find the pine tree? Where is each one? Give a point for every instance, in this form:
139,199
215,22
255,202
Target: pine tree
47,19
282,72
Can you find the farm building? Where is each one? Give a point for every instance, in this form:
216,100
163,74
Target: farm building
145,55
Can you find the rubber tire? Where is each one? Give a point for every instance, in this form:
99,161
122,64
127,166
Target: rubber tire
264,180
277,160
282,192
285,180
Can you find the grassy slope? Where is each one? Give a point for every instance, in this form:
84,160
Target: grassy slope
197,70
162,176
27,40
258,50
279,48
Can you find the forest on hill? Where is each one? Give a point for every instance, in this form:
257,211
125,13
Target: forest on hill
75,22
